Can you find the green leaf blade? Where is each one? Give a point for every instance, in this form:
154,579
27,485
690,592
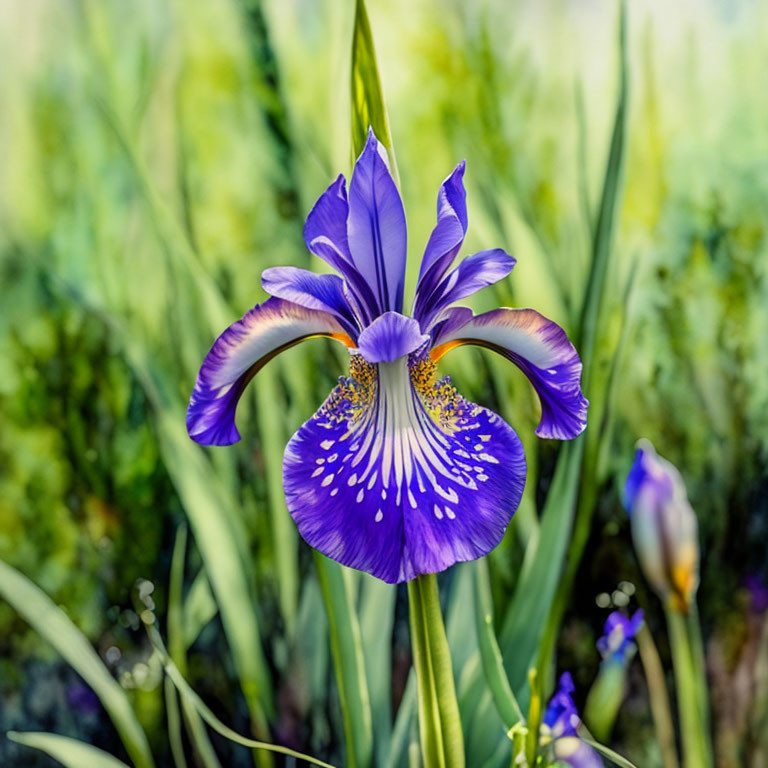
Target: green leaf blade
69,752
52,624
368,108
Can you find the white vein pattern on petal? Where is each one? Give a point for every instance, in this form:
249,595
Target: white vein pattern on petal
395,434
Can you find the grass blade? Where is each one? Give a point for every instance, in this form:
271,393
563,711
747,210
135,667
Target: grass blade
530,608
593,299
377,614
178,651
606,216
52,624
614,757
199,492
199,608
69,752
188,693
210,509
527,613
347,651
404,722
493,665
368,107
272,428
173,717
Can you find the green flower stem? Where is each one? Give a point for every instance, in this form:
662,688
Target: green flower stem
657,692
442,740
699,662
697,752
534,718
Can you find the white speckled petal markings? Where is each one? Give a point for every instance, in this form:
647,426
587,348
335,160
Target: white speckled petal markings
387,476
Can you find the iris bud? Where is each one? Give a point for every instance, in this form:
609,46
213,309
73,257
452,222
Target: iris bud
664,527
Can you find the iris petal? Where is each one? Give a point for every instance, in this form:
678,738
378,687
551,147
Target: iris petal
446,238
398,475
310,290
474,273
389,337
325,231
325,234
376,227
236,356
541,349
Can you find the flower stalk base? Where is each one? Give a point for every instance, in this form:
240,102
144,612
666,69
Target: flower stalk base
442,740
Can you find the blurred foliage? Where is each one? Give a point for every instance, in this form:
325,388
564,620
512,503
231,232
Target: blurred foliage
155,157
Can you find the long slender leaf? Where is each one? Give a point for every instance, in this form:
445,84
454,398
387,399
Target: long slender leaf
205,712
212,514
272,428
198,490
368,107
493,665
377,614
398,744
614,757
173,717
593,301
198,609
52,624
69,752
178,651
529,611
606,216
347,651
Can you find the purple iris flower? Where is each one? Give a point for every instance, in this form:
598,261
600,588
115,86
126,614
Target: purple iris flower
561,722
396,474
618,634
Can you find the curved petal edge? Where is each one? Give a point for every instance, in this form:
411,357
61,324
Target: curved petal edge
542,350
238,354
398,475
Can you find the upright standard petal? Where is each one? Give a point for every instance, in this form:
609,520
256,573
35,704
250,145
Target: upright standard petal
398,475
376,227
238,354
312,291
446,238
541,349
325,233
474,273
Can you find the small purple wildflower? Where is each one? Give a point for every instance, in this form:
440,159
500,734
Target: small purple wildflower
562,717
618,633
561,722
396,474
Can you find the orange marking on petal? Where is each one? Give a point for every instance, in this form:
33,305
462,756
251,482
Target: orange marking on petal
441,349
342,337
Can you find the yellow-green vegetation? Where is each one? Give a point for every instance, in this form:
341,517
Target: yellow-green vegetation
157,155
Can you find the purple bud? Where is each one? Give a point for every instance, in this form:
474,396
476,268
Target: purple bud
664,527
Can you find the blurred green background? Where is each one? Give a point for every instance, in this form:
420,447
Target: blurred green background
155,157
